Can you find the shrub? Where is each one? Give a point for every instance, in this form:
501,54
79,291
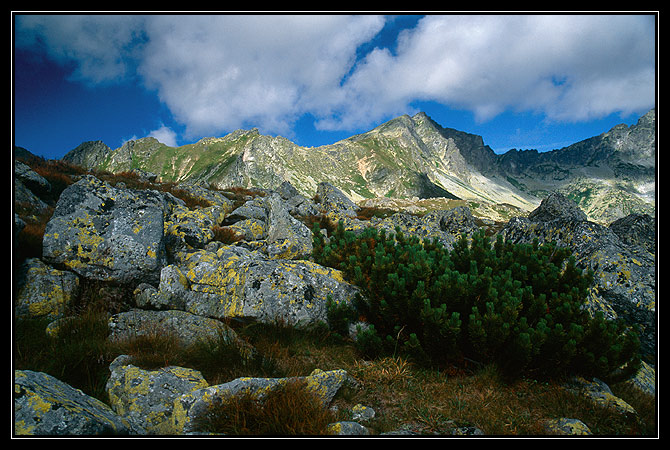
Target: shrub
518,305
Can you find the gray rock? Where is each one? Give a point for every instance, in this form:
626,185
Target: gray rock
185,327
569,427
44,405
33,181
287,237
636,229
557,207
255,208
43,291
238,283
145,398
191,405
333,199
107,234
445,226
347,428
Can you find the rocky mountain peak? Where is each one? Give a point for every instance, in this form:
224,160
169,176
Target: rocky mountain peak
609,175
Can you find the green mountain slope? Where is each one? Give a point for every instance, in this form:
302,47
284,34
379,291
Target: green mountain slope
410,157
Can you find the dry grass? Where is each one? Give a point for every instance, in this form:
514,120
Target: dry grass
403,395
289,410
226,235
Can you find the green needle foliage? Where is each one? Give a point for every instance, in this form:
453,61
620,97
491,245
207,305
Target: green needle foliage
517,305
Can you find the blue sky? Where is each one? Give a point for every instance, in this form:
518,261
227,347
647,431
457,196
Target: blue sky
519,81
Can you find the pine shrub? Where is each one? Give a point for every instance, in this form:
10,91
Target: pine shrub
517,305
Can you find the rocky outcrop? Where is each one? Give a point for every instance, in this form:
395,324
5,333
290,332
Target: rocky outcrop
624,275
145,398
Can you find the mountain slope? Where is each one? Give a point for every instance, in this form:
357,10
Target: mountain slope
410,157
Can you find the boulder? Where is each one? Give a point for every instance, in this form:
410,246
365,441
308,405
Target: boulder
107,234
33,181
145,398
600,393
636,229
557,207
331,199
43,291
266,223
186,327
44,405
237,283
569,427
446,225
347,428
189,406
297,204
287,237
188,228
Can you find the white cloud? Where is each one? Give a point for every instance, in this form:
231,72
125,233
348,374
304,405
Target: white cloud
221,72
103,47
575,67
165,135
218,73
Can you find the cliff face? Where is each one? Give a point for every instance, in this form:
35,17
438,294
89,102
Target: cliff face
608,176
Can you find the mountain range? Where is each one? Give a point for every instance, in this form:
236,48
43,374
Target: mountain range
411,158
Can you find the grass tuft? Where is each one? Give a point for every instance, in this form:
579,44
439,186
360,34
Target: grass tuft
289,410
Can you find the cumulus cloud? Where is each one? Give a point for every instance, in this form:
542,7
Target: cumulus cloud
575,67
165,135
101,48
217,73
221,72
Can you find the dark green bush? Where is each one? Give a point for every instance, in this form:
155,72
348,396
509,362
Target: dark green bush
518,305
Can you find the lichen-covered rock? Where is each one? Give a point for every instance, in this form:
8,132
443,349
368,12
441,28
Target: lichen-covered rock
636,229
599,392
265,223
191,405
43,291
347,428
192,228
287,237
645,379
254,208
107,234
187,328
238,283
44,405
250,229
624,276
296,203
333,199
565,426
446,226
145,398
361,413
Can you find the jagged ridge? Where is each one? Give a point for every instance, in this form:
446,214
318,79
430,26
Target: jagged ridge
609,176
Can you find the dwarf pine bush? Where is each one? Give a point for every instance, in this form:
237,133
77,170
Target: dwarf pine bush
517,305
